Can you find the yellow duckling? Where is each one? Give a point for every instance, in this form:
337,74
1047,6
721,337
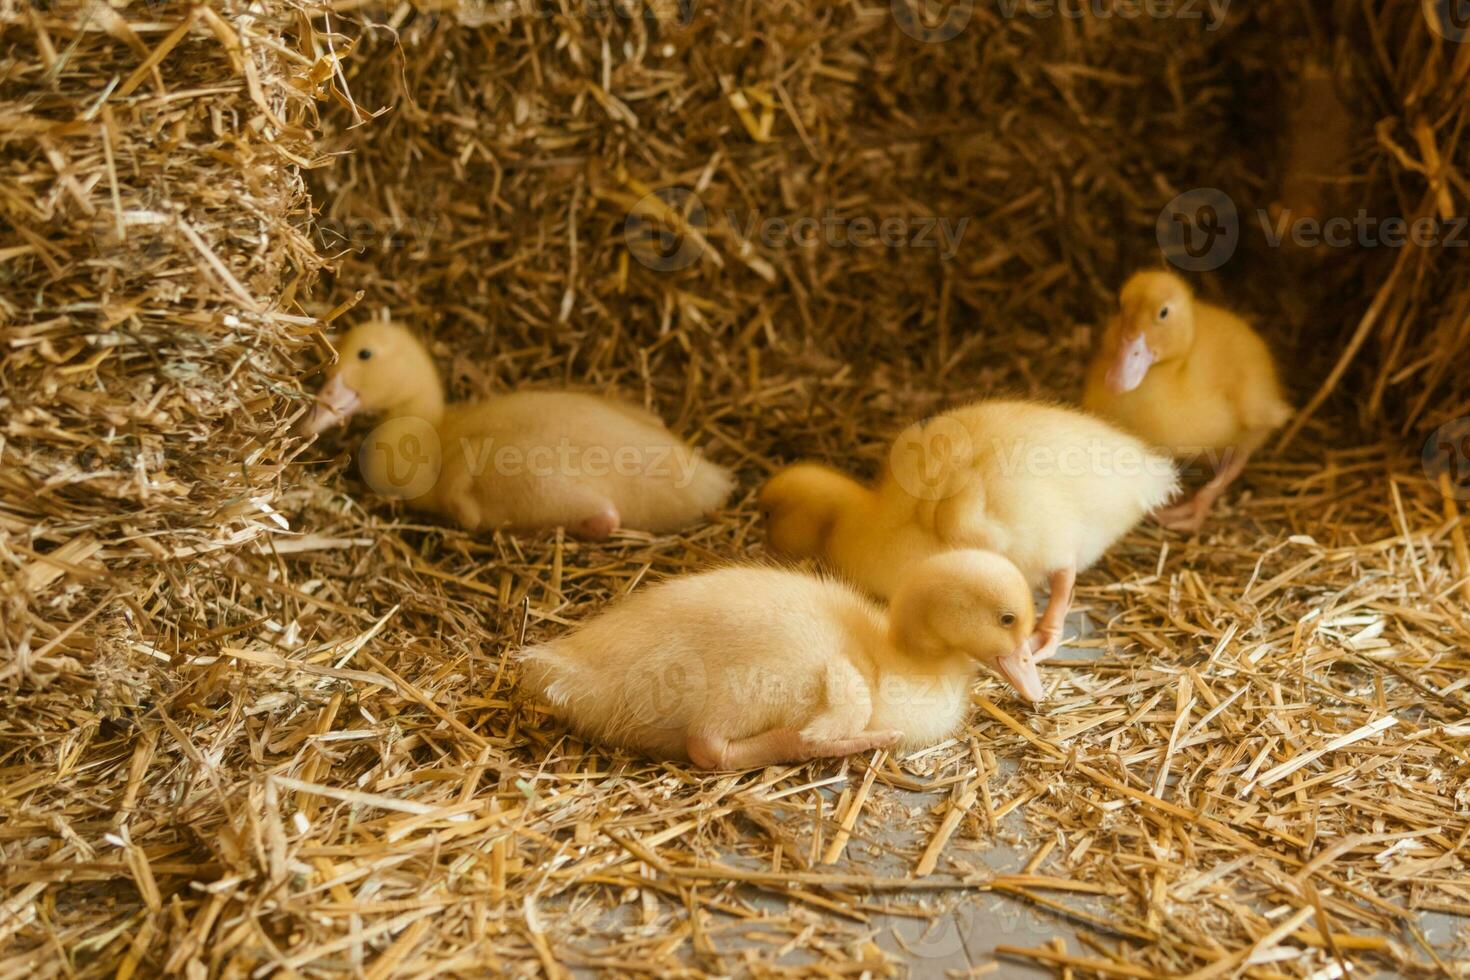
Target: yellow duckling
526,460
751,666
1190,378
1051,488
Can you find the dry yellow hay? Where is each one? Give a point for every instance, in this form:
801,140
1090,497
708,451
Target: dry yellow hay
258,721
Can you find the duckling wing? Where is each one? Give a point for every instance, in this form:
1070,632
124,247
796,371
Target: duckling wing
1240,366
1258,391
1048,486
961,521
930,468
538,459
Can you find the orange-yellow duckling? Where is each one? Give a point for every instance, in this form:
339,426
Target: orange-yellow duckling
1049,487
751,666
526,460
1190,378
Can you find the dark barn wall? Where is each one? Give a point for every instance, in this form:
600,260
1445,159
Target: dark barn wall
1050,143
491,201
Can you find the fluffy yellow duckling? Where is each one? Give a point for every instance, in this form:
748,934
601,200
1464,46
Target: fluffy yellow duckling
1051,488
751,666
1190,378
526,460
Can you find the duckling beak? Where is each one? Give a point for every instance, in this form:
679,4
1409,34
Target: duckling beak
335,404
1131,366
1019,669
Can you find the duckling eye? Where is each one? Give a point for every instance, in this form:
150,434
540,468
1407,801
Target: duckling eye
1163,313
1008,619
364,354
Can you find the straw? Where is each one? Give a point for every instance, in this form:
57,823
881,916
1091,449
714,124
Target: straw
256,720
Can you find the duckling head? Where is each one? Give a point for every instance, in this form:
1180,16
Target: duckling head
971,603
1155,323
381,367
800,505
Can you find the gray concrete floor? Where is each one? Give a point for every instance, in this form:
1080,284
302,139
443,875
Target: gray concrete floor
964,930
963,937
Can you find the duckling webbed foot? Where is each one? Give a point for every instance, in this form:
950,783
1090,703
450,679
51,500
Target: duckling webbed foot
1042,645
1047,639
599,525
466,512
1190,515
1187,517
777,746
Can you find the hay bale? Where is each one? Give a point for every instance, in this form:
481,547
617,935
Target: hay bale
153,213
492,204
1409,336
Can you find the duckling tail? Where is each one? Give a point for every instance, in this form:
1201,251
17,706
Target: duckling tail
698,488
1163,484
711,485
545,673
